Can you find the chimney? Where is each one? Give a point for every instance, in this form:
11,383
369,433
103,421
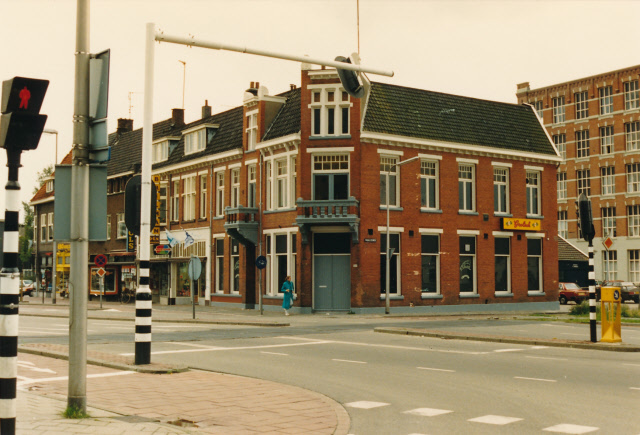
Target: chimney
292,86
206,110
523,87
177,116
124,126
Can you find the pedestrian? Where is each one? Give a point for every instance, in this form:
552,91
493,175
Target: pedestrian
287,289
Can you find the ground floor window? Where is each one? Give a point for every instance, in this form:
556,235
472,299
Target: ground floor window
110,281
235,266
534,264
183,289
281,260
610,265
502,264
467,264
159,278
430,263
634,265
219,286
394,264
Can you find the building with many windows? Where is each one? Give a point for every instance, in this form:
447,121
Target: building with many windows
595,124
306,179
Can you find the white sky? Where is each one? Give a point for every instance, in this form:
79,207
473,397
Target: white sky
476,48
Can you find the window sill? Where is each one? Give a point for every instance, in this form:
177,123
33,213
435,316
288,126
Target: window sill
606,156
468,213
431,296
504,295
469,295
534,216
217,218
392,297
225,295
391,208
430,210
584,159
345,136
631,194
608,196
536,293
279,210
250,151
509,215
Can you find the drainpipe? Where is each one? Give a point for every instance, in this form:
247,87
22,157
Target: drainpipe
260,236
211,245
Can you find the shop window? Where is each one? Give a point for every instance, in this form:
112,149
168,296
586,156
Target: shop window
431,263
502,264
219,285
235,266
468,264
534,264
394,264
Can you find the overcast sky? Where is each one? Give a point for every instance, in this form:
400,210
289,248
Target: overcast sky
480,49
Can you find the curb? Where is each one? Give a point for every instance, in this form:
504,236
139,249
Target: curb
613,347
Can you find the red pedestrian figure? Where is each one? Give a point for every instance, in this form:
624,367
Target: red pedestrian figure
24,95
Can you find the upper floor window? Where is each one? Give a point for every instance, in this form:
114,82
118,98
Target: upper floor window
163,203
606,139
538,106
583,178
330,177
466,187
607,180
633,177
251,186
252,130
608,221
389,181
581,100
50,229
175,203
558,110
235,187
633,220
189,198
563,228
561,179
501,190
606,100
122,228
631,97
329,112
160,151
49,186
219,193
632,135
108,227
43,227
533,192
560,141
195,141
582,143
429,184
203,196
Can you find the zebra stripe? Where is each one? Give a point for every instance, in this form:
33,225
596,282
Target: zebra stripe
592,295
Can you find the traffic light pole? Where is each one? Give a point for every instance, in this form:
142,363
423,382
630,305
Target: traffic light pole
592,294
78,276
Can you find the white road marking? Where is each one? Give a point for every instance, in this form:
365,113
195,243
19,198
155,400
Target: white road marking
348,361
629,364
182,343
634,388
212,349
275,353
495,419
156,325
546,357
64,378
508,350
39,331
363,404
435,370
539,347
571,429
535,379
427,412
30,366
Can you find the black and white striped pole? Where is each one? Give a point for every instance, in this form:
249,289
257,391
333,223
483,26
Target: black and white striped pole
585,220
21,126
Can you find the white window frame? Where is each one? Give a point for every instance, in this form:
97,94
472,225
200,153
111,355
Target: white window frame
583,146
50,226
560,141
583,181
429,172
437,259
387,162
606,139
561,183
272,286
122,232
281,185
581,100
610,264
631,95
395,256
322,108
607,180
189,197
633,177
234,258
252,129
160,151
43,227
632,136
251,186
328,164
608,219
219,193
466,175
175,201
634,265
474,263
558,110
108,227
163,200
563,224
534,203
219,267
195,141
203,195
49,186
235,187
605,98
508,257
501,180
536,236
633,220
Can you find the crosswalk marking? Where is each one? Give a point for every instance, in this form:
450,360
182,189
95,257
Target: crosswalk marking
364,404
495,419
427,412
570,429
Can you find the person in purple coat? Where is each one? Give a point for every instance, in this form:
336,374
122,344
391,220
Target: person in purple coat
287,289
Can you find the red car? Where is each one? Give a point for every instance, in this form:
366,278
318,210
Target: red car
569,291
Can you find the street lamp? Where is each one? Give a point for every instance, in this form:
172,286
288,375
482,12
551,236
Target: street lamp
388,251
52,131
54,275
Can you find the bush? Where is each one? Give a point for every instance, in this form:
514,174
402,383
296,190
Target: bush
580,309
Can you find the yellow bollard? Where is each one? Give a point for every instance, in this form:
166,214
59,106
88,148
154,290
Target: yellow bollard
610,314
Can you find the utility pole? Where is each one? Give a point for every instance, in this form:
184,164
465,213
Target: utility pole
78,277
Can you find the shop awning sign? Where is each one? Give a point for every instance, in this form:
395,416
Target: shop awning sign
521,224
162,249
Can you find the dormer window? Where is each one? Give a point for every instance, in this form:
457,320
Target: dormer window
329,112
163,148
196,139
252,130
49,186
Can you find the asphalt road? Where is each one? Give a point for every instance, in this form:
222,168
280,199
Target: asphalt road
392,384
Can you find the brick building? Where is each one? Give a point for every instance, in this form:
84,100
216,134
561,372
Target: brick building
595,124
301,178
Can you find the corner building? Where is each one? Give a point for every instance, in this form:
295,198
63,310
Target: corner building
595,124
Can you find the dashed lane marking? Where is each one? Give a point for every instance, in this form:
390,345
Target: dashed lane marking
570,429
508,350
535,379
427,412
363,404
27,381
634,388
215,349
435,370
275,353
348,361
495,419
546,357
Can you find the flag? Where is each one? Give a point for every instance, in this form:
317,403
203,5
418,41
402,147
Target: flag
188,240
172,240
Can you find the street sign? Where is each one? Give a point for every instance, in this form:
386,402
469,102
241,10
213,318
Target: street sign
608,243
100,260
195,268
101,272
162,249
261,262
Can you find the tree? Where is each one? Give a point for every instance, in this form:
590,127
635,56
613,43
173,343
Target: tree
42,175
26,240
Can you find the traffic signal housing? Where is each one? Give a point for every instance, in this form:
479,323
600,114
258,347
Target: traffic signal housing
349,79
132,203
21,124
585,217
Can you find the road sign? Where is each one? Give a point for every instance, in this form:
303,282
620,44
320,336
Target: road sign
608,243
261,262
195,268
162,249
100,260
101,272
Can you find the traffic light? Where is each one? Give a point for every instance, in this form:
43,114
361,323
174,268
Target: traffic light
349,79
585,218
132,201
21,124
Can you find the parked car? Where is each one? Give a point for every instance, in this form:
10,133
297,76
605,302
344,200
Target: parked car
569,291
27,287
628,290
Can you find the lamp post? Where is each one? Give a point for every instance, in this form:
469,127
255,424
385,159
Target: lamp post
387,307
54,269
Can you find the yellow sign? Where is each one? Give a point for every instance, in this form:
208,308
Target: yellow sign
154,236
521,224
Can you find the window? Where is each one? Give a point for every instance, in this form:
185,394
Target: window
583,178
634,264
633,220
195,141
235,267
330,177
50,228
189,198
610,264
560,140
631,98
267,167
632,135
175,204
251,186
122,228
49,186
533,192
467,264
606,139
558,110
388,168
563,227
219,284
561,181
203,196
394,264
430,263
219,193
280,176
160,151
281,183
633,178
252,130
281,261
581,104
235,187
606,100
502,264
538,106
466,194
608,215
162,212
108,227
43,227
329,112
582,143
293,180
607,180
534,264
429,185
501,190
